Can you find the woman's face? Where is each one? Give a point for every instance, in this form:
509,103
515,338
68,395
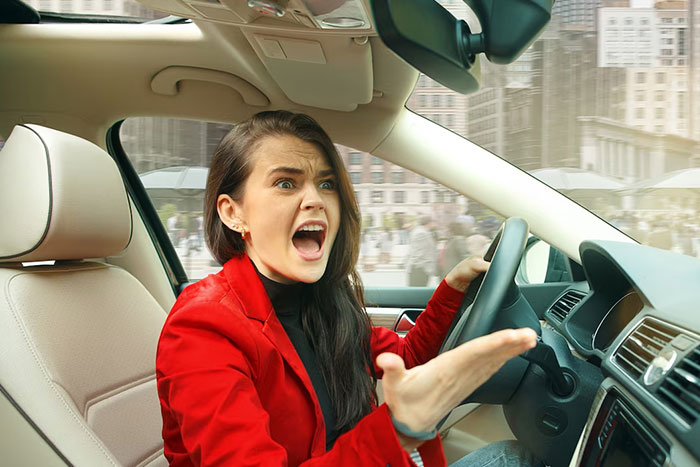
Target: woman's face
290,210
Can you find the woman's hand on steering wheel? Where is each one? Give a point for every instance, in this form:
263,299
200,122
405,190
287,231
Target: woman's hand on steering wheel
466,271
421,396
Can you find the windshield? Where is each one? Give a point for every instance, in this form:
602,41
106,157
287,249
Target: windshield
604,107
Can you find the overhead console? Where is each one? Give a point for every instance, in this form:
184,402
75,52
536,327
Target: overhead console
303,44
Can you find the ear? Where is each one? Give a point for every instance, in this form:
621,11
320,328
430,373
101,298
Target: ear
231,213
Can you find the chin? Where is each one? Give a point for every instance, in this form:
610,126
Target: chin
311,274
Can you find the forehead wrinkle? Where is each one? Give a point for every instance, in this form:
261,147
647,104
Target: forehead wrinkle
294,154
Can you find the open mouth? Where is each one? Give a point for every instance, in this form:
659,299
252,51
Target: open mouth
308,239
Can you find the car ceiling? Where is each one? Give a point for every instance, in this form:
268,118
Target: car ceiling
83,77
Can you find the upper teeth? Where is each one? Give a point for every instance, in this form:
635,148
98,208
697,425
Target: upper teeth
311,228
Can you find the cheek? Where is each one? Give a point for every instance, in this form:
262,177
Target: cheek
271,226
335,219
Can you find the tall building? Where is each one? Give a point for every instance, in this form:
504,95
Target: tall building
577,13
651,43
527,111
694,70
627,37
641,36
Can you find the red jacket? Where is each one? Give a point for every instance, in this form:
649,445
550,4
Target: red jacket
234,392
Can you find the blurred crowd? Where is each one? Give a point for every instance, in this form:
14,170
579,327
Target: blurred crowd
427,251
424,249
677,231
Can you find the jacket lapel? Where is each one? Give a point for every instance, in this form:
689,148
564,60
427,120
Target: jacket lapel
255,304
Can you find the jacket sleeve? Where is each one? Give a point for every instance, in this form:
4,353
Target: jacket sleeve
212,414
423,342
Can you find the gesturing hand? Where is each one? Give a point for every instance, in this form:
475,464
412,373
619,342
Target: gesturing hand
420,397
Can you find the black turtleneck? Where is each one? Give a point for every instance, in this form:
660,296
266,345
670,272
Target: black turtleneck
286,300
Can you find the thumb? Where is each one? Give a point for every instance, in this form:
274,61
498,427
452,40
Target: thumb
392,365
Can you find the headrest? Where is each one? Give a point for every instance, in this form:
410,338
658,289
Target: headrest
61,197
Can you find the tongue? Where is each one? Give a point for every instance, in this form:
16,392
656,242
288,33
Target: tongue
305,244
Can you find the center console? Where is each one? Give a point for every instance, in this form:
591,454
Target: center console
621,437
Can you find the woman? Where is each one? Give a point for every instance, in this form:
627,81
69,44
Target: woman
273,361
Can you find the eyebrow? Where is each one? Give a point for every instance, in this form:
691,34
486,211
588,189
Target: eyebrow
298,171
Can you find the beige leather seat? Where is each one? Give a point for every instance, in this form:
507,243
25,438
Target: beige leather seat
77,338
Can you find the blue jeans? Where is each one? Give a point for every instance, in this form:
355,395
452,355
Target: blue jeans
500,454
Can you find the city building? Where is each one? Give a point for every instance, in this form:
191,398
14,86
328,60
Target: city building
617,150
544,109
391,196
155,142
694,69
627,37
576,13
650,42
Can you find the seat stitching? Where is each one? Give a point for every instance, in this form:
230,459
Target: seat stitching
147,460
118,390
44,371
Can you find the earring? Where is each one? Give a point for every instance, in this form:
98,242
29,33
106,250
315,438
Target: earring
243,232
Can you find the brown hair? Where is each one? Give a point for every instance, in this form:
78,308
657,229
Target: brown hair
333,315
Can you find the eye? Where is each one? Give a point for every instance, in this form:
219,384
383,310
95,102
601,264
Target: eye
285,184
327,185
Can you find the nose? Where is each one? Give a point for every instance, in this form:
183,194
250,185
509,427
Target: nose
312,199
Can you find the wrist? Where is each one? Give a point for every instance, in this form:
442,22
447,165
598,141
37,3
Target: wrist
404,430
460,286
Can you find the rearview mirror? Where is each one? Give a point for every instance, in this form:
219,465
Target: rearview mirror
428,37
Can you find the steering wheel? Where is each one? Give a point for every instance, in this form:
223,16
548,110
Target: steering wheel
494,300
493,290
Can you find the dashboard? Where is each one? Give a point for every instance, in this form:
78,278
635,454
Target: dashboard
637,316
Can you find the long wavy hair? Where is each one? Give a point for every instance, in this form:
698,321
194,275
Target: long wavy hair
333,314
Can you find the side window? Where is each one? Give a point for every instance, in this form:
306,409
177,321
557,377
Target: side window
413,230
172,159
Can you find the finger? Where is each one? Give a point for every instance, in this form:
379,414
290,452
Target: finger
506,343
392,365
478,264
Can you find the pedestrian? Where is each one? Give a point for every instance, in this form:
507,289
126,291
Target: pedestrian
386,245
455,249
421,253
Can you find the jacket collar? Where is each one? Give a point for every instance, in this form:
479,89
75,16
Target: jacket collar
245,283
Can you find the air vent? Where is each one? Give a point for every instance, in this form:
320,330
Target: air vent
561,308
642,346
681,388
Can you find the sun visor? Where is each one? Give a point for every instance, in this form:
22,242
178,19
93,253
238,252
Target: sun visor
326,71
